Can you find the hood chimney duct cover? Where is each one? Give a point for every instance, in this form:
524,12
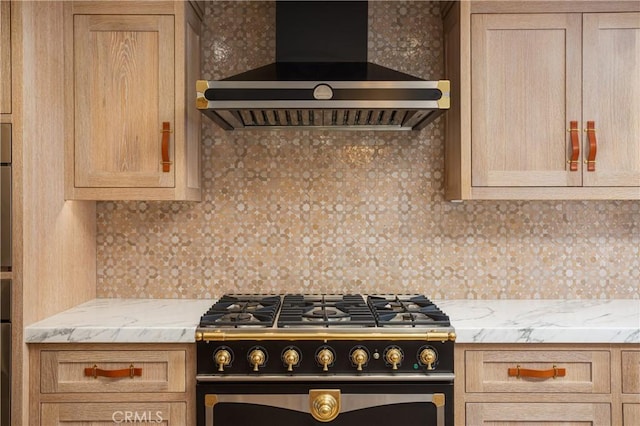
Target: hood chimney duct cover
322,31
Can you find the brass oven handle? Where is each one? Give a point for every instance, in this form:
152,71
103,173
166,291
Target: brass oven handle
324,404
538,374
123,372
575,146
166,132
593,146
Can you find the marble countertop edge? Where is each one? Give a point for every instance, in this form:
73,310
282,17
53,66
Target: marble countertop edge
475,321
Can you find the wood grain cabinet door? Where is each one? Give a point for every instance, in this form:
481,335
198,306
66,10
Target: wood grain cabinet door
64,371
526,74
611,96
536,414
124,89
5,57
586,371
631,372
113,413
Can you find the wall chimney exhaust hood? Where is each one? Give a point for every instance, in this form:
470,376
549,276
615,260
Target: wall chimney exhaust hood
321,79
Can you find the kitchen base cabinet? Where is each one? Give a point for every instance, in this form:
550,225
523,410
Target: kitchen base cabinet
109,413
534,384
132,125
527,414
93,384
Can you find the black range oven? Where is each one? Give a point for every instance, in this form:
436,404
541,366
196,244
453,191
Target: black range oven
324,359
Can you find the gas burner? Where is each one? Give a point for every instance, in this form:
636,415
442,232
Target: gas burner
325,311
406,311
325,314
242,311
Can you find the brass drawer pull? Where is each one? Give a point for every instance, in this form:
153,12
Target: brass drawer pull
538,374
123,372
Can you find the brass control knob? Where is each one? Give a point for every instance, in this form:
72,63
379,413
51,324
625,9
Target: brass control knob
427,357
393,357
257,357
325,407
222,358
290,357
325,357
359,357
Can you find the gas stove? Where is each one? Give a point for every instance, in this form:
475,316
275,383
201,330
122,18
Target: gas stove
338,359
324,334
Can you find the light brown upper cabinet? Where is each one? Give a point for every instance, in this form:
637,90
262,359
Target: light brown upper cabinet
133,131
5,57
548,104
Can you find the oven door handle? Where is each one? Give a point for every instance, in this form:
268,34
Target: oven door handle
302,403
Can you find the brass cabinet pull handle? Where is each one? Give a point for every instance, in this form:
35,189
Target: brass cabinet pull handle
166,162
538,374
575,146
123,372
593,146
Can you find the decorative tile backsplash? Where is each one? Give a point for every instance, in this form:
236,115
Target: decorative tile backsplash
305,211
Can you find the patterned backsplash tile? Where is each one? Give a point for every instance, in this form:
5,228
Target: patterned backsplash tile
302,211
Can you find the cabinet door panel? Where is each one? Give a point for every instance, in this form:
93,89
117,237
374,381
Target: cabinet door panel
124,91
631,372
538,414
64,371
526,88
611,96
586,371
108,414
5,57
630,414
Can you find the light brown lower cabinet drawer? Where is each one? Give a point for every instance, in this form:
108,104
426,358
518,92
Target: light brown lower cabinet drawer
586,371
529,414
110,413
64,371
631,372
630,414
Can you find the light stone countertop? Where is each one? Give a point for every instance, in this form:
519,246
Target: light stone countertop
475,321
544,321
122,321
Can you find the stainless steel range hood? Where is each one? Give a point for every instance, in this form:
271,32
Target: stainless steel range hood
321,79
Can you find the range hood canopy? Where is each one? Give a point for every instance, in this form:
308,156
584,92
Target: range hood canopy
321,79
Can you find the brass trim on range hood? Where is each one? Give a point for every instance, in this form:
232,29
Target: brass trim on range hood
342,105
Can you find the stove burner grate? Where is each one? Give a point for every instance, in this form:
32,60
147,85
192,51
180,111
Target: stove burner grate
325,311
242,311
406,311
